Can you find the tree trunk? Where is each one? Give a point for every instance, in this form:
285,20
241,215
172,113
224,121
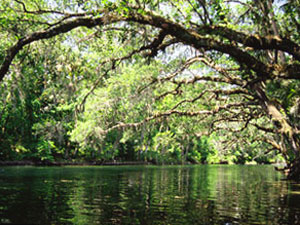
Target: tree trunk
290,142
293,172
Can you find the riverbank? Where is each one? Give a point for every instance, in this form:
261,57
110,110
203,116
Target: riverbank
278,166
95,163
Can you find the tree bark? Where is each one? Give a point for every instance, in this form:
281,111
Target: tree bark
290,140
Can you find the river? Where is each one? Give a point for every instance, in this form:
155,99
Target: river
202,194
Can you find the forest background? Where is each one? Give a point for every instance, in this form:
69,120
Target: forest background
156,81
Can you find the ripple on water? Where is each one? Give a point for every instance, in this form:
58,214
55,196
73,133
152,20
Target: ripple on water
148,195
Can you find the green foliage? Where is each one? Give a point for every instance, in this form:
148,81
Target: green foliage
45,150
63,96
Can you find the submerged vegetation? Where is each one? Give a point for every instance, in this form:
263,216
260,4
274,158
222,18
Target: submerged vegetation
158,81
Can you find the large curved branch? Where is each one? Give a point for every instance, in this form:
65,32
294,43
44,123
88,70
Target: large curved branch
192,38
255,41
51,32
187,36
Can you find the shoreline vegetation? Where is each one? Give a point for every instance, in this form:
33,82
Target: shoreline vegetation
112,163
83,163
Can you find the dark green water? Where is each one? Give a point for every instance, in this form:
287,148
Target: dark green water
218,194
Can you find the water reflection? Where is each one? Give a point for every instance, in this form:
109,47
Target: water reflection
148,195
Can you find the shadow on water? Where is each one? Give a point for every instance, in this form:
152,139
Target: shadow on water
205,194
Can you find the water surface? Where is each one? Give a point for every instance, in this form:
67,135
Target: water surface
205,194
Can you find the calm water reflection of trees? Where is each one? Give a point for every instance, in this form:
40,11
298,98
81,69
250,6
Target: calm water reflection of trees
148,195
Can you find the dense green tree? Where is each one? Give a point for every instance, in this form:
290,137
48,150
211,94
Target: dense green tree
233,65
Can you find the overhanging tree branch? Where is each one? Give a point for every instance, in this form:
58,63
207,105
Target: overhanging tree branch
187,36
270,42
62,28
218,109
